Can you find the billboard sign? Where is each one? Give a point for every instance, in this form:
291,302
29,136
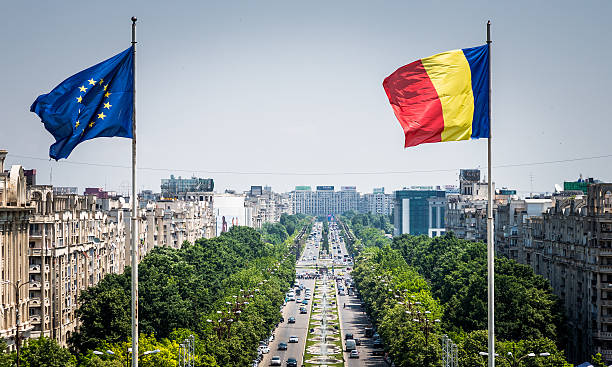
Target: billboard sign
302,188
469,175
325,188
229,211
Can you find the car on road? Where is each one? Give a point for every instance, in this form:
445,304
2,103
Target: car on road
305,302
264,349
293,339
275,361
303,310
350,345
354,354
348,336
357,341
291,362
291,320
282,346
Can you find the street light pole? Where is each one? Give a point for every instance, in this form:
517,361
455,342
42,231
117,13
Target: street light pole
17,286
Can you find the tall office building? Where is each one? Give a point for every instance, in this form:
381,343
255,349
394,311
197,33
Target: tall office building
419,212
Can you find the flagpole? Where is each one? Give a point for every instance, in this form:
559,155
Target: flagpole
134,217
490,244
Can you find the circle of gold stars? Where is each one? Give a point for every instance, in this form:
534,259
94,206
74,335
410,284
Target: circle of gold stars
91,83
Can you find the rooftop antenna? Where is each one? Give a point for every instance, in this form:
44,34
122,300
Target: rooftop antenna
531,180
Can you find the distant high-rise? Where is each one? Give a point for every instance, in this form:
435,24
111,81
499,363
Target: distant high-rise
179,186
419,212
325,200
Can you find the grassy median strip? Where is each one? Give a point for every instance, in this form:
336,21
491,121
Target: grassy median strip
313,339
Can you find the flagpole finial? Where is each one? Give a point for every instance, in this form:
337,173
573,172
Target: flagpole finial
134,19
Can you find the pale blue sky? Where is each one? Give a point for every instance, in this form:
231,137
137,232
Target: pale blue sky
282,86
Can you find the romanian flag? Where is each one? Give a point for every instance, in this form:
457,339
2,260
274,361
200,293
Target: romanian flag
444,97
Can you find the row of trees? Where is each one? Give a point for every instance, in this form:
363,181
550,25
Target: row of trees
529,317
226,292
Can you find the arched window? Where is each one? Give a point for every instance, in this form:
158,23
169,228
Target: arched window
607,202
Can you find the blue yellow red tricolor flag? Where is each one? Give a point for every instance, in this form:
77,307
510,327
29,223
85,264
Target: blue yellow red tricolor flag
444,97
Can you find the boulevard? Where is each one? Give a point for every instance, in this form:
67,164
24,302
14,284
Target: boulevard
335,307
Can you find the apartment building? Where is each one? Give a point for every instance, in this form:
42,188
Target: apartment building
14,216
55,243
377,202
267,206
567,238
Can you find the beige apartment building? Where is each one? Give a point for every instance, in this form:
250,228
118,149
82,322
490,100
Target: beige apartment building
54,246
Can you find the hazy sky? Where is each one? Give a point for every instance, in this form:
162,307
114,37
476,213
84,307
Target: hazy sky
271,87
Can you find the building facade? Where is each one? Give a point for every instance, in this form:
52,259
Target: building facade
325,200
55,244
413,210
377,202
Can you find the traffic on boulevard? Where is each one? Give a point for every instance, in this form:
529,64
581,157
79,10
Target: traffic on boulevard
323,321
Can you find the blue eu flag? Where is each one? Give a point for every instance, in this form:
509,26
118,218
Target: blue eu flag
98,101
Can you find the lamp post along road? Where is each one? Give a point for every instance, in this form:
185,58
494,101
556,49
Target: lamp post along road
17,287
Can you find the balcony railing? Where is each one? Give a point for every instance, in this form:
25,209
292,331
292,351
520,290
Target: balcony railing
34,268
604,335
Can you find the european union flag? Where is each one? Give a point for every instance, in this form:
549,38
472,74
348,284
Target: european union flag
98,101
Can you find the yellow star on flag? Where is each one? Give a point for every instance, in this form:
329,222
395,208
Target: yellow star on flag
108,105
79,99
92,82
101,115
106,86
82,88
91,124
101,81
107,94
77,124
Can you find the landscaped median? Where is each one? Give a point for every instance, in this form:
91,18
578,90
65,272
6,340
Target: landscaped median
324,342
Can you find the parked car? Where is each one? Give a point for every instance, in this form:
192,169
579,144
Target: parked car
303,310
275,361
291,362
293,339
291,320
357,341
264,349
282,346
378,343
348,336
305,302
354,354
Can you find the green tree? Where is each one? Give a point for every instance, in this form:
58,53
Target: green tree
7,359
45,352
597,360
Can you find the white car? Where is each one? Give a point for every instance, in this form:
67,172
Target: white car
275,361
264,349
293,339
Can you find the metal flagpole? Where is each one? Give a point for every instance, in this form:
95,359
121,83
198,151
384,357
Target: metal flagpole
490,244
134,217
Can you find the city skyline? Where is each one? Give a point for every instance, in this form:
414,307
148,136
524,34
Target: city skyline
297,73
